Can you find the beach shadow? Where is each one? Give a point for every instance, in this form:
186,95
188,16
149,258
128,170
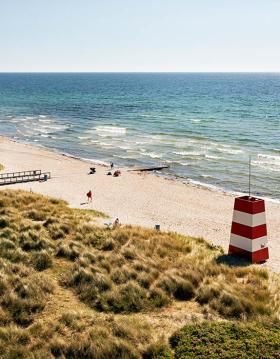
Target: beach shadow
232,261
83,203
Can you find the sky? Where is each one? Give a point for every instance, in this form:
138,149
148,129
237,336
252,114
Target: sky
139,35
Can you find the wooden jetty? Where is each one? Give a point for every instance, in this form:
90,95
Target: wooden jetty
23,176
148,169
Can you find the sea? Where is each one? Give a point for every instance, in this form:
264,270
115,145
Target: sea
204,126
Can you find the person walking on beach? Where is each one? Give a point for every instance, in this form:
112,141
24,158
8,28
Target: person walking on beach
112,165
89,196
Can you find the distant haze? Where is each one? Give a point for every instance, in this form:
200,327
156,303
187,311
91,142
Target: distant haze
146,35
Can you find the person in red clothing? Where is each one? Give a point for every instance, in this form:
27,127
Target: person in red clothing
89,196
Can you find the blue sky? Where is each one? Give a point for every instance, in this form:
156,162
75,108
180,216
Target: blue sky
140,35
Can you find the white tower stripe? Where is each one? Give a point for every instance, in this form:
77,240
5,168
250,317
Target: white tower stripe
251,220
250,245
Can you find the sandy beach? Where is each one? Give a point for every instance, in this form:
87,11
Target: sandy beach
140,199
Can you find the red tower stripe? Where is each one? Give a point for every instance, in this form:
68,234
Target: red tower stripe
255,257
242,204
248,232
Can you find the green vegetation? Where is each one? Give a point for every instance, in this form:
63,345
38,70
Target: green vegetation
70,288
228,340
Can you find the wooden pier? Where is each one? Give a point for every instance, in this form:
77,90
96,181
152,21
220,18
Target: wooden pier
23,176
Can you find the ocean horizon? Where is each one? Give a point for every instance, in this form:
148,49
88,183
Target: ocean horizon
203,125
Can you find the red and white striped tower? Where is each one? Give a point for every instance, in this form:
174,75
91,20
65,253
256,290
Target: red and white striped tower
248,231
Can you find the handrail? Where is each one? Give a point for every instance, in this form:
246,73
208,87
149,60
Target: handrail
20,174
25,177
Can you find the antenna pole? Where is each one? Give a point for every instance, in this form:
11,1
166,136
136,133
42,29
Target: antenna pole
249,176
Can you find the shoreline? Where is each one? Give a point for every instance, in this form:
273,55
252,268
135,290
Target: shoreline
142,199
173,177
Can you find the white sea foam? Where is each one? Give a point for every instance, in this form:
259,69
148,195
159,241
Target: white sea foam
266,166
269,158
45,120
207,176
124,157
182,163
84,138
151,154
212,157
205,185
110,130
188,153
124,147
32,126
267,162
230,151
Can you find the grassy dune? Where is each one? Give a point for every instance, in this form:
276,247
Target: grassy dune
1,167
72,289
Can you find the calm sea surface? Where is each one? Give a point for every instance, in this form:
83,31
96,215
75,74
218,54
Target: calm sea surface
203,125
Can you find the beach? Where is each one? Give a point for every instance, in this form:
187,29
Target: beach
136,198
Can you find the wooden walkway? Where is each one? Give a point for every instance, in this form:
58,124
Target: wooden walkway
23,176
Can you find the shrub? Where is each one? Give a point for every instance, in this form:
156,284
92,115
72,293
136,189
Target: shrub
129,253
159,298
41,260
184,290
228,340
145,279
70,251
157,351
207,293
4,222
36,215
127,298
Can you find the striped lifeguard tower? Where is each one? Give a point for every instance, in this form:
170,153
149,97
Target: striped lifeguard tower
248,237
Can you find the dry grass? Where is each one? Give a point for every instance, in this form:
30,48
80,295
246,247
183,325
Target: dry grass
1,167
125,285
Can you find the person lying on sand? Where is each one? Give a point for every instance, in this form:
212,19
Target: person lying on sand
117,173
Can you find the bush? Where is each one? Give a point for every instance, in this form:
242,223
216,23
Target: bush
184,290
128,298
207,293
158,351
4,222
41,261
233,303
70,251
228,340
36,215
159,298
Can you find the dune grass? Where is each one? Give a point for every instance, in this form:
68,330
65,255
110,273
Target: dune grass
70,288
1,167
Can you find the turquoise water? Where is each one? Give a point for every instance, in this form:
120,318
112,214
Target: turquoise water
203,125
